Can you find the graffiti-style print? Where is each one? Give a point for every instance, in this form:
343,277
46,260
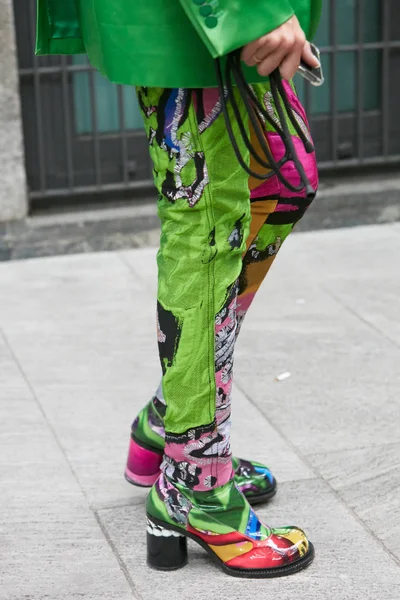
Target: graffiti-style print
168,336
172,112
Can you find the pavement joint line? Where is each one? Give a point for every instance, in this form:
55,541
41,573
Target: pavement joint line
43,413
354,449
302,457
358,316
119,558
365,480
61,448
136,503
134,272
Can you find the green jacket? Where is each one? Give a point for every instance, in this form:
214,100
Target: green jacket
163,43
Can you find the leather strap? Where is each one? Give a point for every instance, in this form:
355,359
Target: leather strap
234,76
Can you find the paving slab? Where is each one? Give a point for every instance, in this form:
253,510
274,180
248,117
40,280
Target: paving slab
143,262
345,380
328,403
10,374
368,480
93,427
361,271
50,540
254,437
83,319
84,338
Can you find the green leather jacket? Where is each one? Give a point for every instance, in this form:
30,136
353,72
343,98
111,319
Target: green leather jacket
163,43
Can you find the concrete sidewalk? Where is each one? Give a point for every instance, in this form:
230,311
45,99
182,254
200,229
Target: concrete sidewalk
78,358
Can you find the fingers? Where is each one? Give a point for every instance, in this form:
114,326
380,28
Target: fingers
281,38
271,62
257,51
284,48
291,62
250,50
308,56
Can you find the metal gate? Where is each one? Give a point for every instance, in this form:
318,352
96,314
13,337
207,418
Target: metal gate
84,136
353,117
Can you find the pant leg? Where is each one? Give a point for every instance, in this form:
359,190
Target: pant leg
274,209
204,207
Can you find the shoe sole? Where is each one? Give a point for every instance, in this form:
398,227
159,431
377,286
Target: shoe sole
143,481
262,497
270,573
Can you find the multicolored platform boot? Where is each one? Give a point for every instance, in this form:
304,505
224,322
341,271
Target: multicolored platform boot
224,524
146,454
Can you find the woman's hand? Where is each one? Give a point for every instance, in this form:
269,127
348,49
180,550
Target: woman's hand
283,47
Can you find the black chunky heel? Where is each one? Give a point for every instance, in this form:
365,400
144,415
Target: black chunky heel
166,549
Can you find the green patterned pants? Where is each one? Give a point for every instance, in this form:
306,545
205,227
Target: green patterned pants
221,231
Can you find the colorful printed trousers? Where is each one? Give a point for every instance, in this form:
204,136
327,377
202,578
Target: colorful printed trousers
221,232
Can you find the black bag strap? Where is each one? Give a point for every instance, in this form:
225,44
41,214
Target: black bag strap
234,76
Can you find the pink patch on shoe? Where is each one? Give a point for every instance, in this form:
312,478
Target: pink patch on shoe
143,466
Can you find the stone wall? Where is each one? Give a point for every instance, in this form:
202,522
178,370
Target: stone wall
13,192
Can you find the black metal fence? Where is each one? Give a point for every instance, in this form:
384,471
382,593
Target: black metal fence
84,136
354,116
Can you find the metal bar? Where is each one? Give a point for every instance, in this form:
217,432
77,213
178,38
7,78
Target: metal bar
135,133
392,45
67,124
38,110
347,114
385,79
122,133
360,79
95,137
374,161
93,189
54,69
334,110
